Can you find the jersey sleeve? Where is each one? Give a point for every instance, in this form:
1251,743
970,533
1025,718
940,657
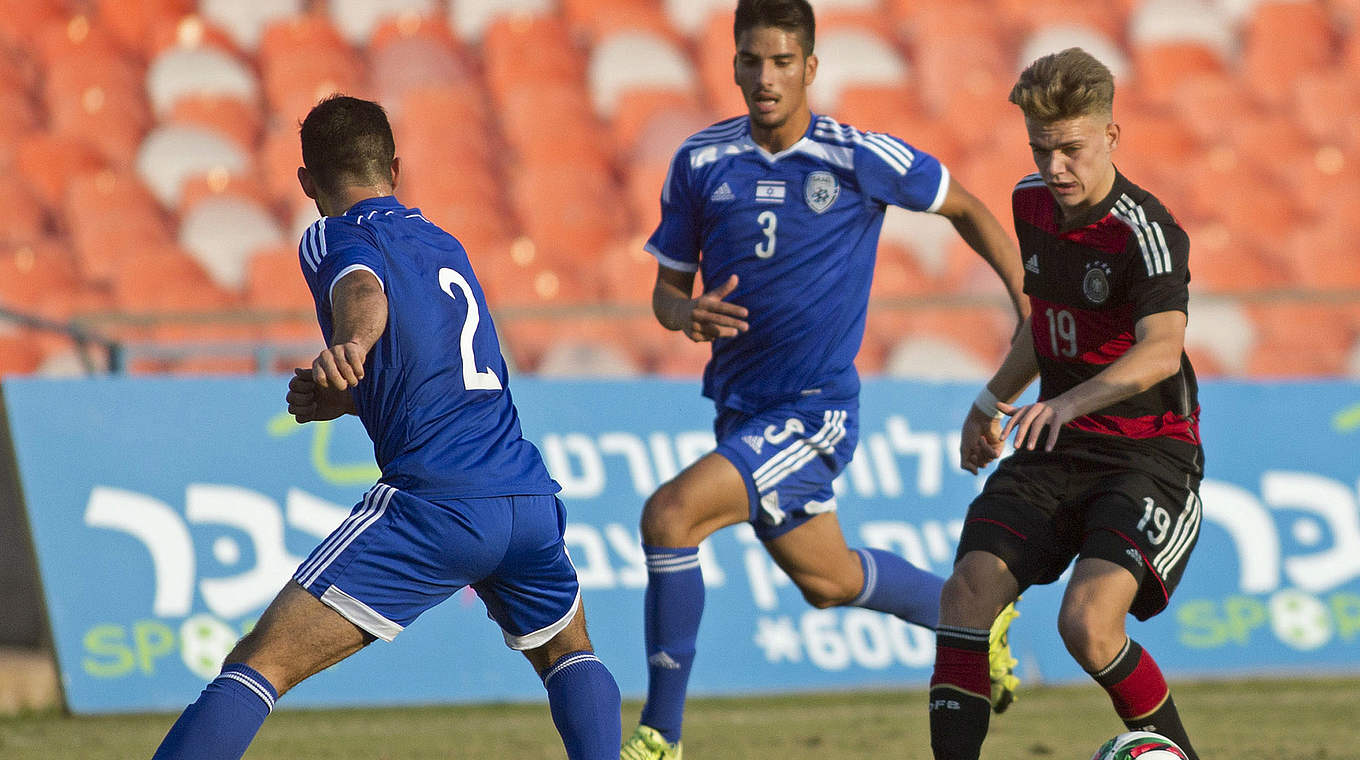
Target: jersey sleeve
332,248
675,243
1161,279
892,172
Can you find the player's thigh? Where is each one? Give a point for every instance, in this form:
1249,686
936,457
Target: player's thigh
708,495
533,593
296,637
816,558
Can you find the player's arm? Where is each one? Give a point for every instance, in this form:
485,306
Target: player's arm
359,316
984,234
701,319
1155,356
981,440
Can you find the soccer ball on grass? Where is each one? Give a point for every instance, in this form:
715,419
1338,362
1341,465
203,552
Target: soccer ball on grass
1139,745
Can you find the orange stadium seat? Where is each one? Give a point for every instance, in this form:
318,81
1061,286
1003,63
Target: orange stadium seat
109,215
247,20
99,98
1054,36
240,120
21,120
1272,62
598,20
1299,340
982,333
21,19
1326,105
186,31
400,66
278,158
1226,260
166,279
898,274
358,20
46,163
627,93
951,65
443,118
274,281
932,357
39,277
1321,255
925,239
470,19
567,209
222,233
714,51
555,60
1025,18
25,222
173,154
134,24
552,126
20,353
627,272
75,34
303,59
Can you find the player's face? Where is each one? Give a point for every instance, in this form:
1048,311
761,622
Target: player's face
1074,156
773,75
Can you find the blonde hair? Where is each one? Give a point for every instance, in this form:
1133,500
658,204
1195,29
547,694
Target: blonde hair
1065,85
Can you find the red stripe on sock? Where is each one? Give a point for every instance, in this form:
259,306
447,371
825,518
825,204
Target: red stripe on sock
1142,692
962,669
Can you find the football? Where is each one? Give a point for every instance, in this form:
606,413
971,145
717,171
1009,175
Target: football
1143,745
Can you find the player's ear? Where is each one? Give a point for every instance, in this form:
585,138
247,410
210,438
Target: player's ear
1112,135
396,170
809,69
308,184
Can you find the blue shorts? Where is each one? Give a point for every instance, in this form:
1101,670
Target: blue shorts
788,455
397,555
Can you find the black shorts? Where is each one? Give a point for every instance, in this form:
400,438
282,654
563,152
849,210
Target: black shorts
1039,510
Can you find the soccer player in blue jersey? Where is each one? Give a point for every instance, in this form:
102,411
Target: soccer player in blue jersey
464,499
779,211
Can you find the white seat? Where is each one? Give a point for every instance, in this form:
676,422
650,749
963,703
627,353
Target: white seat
171,154
691,16
853,58
223,232
928,237
206,71
579,359
613,69
1056,38
1162,21
925,357
1221,329
470,18
356,20
245,20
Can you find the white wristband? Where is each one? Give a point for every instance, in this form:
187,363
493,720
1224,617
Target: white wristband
986,403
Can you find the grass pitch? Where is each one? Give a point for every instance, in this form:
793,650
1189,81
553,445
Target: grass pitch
1267,719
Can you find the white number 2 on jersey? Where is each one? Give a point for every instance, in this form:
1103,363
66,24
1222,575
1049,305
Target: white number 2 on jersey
768,222
472,379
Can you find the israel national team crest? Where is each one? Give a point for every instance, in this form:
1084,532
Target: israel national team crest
1096,284
820,190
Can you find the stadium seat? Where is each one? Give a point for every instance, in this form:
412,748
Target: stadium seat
627,273
714,51
852,58
552,126
981,332
1025,18
898,274
566,210
133,23
21,19
278,158
1321,255
949,66
166,279
76,34
246,20
555,60
1224,260
471,18
613,69
241,121
172,154
358,19
595,21
303,59
39,278
1299,340
928,357
1219,334
20,353
97,95
423,62
109,215
22,117
223,232
25,222
188,31
1326,105
46,162
1051,38
202,71
1173,39
436,120
274,281
690,17
1271,61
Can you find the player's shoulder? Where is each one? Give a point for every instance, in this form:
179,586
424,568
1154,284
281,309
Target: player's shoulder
1029,183
331,233
1136,204
717,133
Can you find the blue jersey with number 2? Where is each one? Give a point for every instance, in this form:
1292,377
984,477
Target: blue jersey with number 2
434,397
800,230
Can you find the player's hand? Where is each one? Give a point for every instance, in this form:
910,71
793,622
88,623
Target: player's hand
980,442
1029,422
711,317
308,402
340,366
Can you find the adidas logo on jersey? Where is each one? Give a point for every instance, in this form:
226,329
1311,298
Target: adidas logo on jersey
1032,265
754,441
723,193
663,660
1133,554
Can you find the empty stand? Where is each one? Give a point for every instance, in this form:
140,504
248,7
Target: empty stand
690,17
198,72
172,154
470,18
927,357
597,20
852,58
110,215
1054,37
1274,59
246,20
223,232
1219,335
46,162
303,59
274,281
628,94
357,20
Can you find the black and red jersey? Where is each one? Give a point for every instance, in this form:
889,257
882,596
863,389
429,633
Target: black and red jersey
1089,280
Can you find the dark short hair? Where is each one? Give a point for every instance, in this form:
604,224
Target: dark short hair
788,15
347,141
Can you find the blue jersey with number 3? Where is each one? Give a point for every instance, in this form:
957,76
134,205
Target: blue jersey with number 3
434,397
800,230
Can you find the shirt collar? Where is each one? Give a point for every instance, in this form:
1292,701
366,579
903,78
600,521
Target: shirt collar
379,203
1099,211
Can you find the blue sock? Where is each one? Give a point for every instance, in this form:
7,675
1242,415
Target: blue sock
585,706
224,719
672,607
897,587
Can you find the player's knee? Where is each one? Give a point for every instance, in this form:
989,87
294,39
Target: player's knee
967,598
665,518
1092,641
824,593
